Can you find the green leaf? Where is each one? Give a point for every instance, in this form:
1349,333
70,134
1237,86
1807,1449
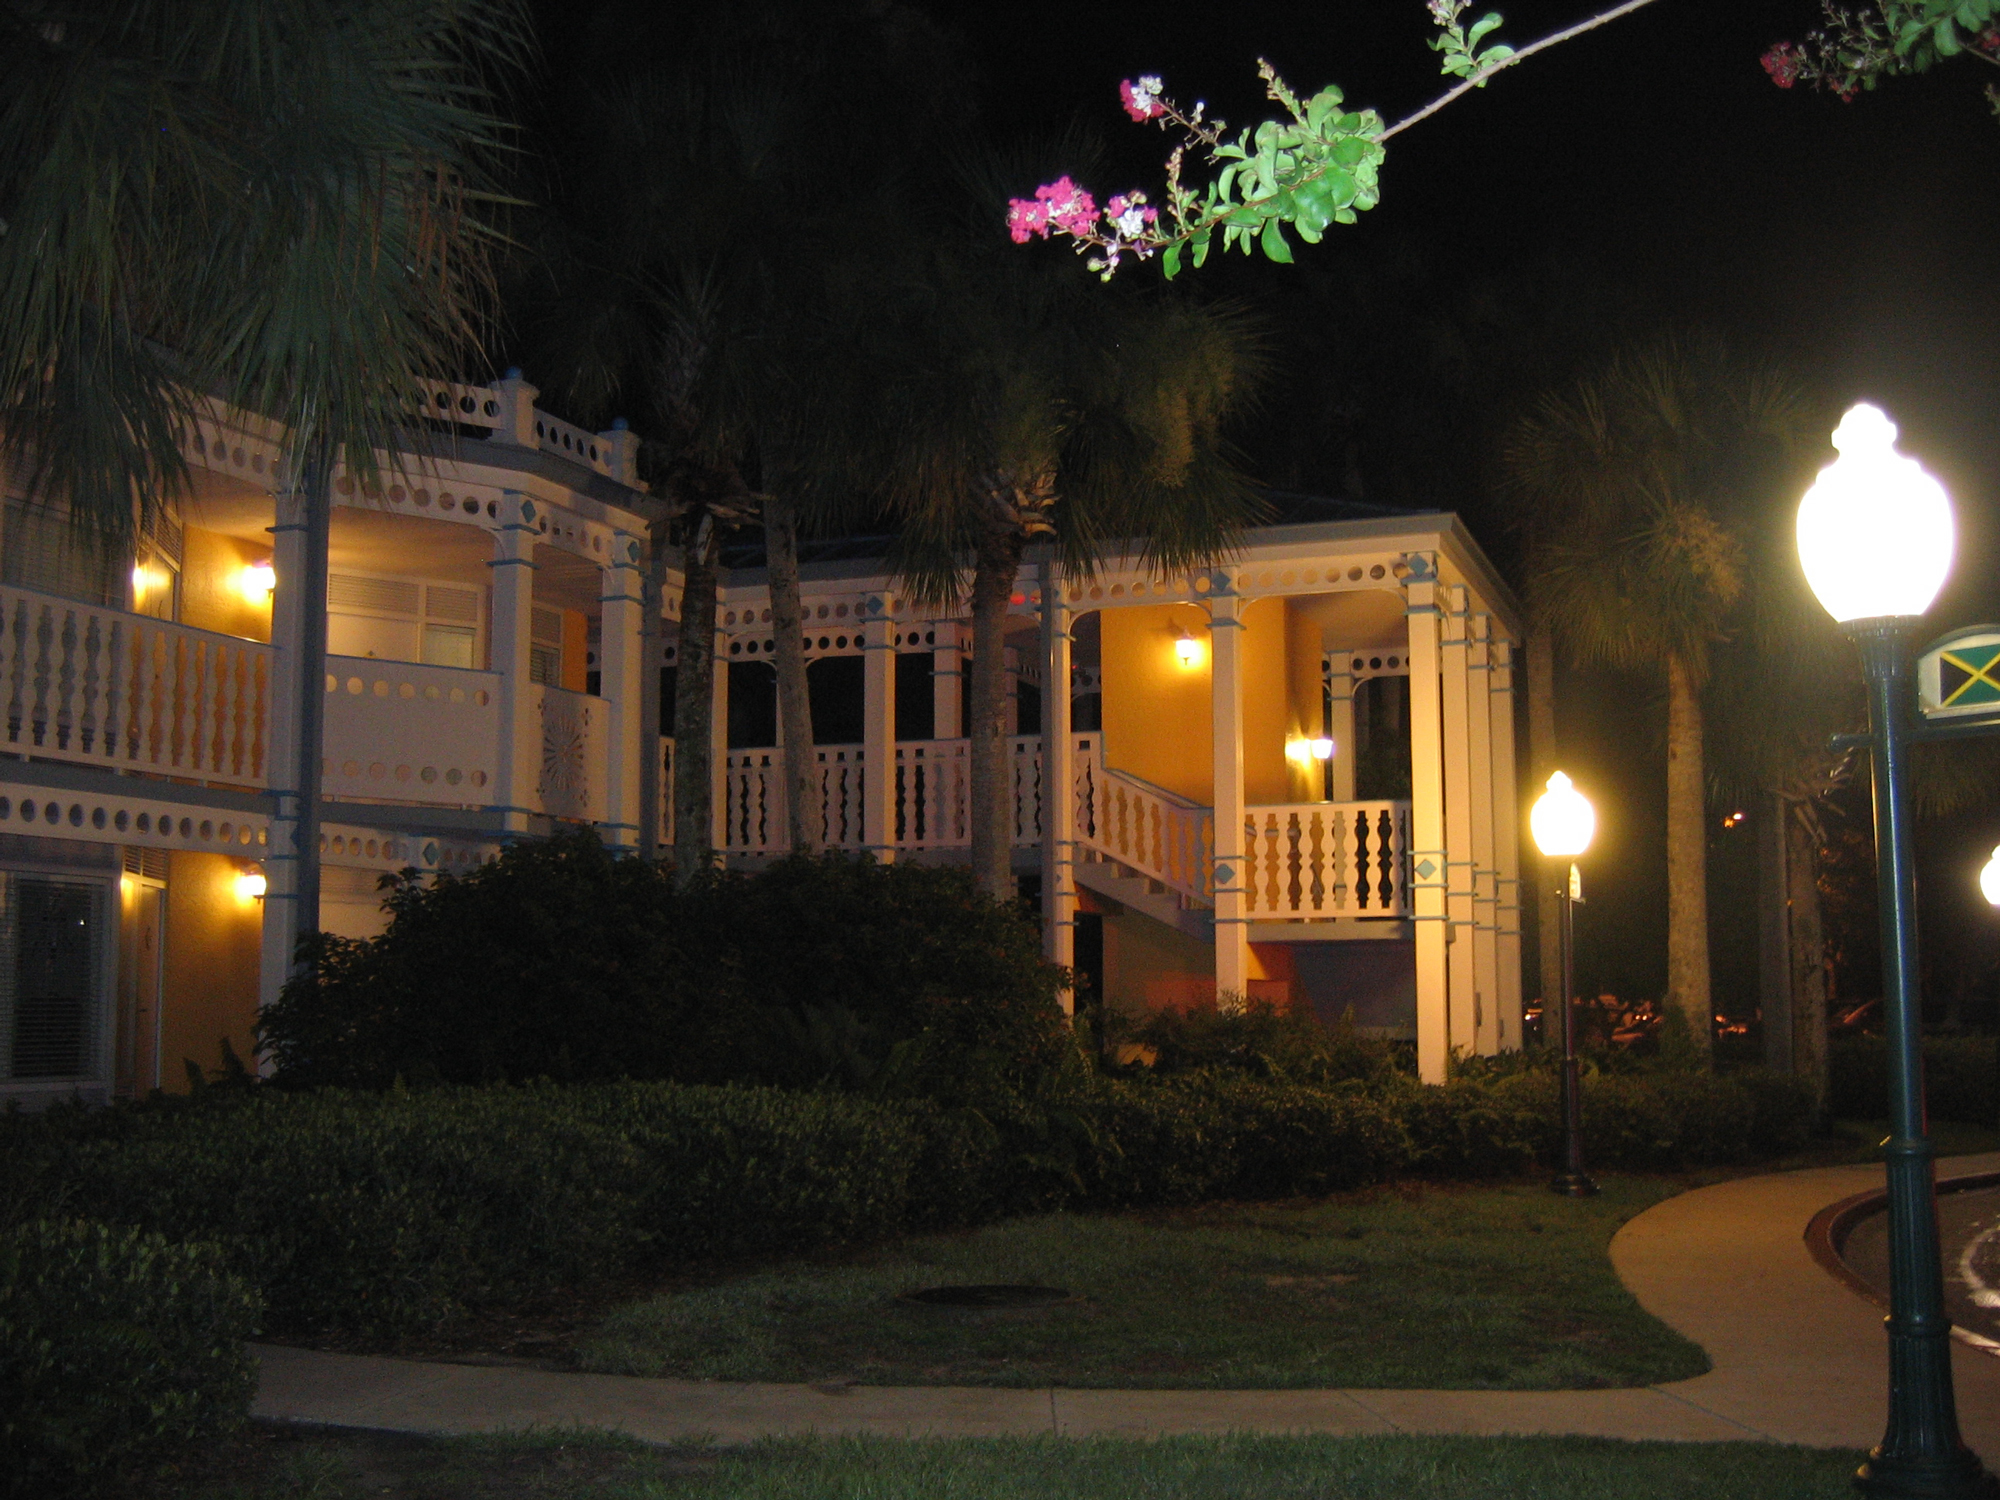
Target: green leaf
1170,262
1200,243
1946,39
1481,27
1274,243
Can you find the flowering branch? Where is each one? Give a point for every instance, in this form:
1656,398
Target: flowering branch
1855,49
1319,168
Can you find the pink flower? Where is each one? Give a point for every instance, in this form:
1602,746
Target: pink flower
1026,218
1142,99
1070,208
1783,62
1129,215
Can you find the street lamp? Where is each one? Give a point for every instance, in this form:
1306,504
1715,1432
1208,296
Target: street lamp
1562,821
1875,540
1989,879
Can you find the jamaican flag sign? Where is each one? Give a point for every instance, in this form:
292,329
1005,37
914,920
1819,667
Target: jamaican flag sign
1958,675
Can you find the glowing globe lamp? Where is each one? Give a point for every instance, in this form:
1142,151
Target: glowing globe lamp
1562,820
1989,879
1875,531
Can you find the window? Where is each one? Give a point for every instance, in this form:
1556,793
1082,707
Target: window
39,550
545,646
404,619
51,978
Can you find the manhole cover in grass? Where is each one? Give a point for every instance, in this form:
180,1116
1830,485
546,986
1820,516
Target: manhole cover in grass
988,1296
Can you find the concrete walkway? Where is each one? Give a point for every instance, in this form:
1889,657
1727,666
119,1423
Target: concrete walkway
1798,1359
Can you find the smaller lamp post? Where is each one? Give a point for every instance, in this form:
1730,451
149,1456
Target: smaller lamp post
1563,821
1875,538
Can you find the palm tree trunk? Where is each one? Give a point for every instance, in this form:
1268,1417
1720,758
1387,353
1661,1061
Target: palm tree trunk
1687,863
1808,955
803,817
995,565
694,704
1542,759
311,749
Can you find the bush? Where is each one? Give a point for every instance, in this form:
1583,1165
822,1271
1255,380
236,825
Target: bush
564,961
116,1347
380,1214
1265,1041
1961,1078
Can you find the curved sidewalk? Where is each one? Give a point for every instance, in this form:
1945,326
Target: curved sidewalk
1798,1358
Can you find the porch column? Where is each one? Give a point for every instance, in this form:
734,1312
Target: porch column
718,745
621,664
947,683
1427,868
518,791
878,727
1058,783
1340,721
1506,848
281,856
1488,1035
1453,696
1232,923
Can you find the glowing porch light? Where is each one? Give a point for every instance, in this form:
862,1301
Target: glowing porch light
257,582
250,886
1188,649
1321,748
144,581
1562,820
1875,531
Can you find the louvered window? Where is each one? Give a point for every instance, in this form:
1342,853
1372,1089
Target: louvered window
404,619
545,646
42,551
51,978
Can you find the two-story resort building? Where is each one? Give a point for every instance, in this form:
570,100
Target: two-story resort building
1289,775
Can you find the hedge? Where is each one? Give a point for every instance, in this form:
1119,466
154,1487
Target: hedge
1961,1078
116,1348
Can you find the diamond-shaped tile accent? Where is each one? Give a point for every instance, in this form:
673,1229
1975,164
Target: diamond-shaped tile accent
1426,869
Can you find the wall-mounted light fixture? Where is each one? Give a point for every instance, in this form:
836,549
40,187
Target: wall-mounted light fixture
257,582
250,885
144,581
1321,748
1187,648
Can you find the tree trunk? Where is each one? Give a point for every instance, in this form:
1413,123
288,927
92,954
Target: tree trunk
995,565
1542,760
652,712
694,704
1808,955
1687,863
1774,936
803,816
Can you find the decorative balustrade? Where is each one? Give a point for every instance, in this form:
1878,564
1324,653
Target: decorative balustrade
1314,861
1148,829
102,687
398,731
506,410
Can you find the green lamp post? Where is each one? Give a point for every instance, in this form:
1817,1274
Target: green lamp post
1875,539
1563,822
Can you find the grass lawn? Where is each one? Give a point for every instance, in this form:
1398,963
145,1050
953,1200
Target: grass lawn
280,1465
1489,1287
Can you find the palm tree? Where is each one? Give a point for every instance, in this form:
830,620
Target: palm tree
1044,408
285,201
1644,477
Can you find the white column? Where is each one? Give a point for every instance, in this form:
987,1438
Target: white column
621,662
1232,924
1506,848
1427,850
1453,698
1485,928
947,682
518,794
878,726
718,745
1058,783
1340,725
281,857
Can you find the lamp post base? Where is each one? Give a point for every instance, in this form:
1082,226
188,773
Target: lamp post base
1957,1477
1574,1185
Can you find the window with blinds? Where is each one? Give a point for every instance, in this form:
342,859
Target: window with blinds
42,551
545,646
404,619
52,1010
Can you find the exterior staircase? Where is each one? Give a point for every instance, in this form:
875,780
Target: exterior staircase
1142,893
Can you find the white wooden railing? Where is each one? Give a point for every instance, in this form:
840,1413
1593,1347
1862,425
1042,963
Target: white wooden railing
1148,829
1313,861
106,688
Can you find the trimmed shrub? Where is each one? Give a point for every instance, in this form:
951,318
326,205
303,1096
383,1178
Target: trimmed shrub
1961,1078
562,960
116,1347
379,1214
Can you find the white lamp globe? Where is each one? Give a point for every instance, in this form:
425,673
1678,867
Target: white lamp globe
1875,531
1989,879
1562,820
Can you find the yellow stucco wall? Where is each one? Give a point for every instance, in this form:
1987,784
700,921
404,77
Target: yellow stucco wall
209,989
212,596
575,651
1157,723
